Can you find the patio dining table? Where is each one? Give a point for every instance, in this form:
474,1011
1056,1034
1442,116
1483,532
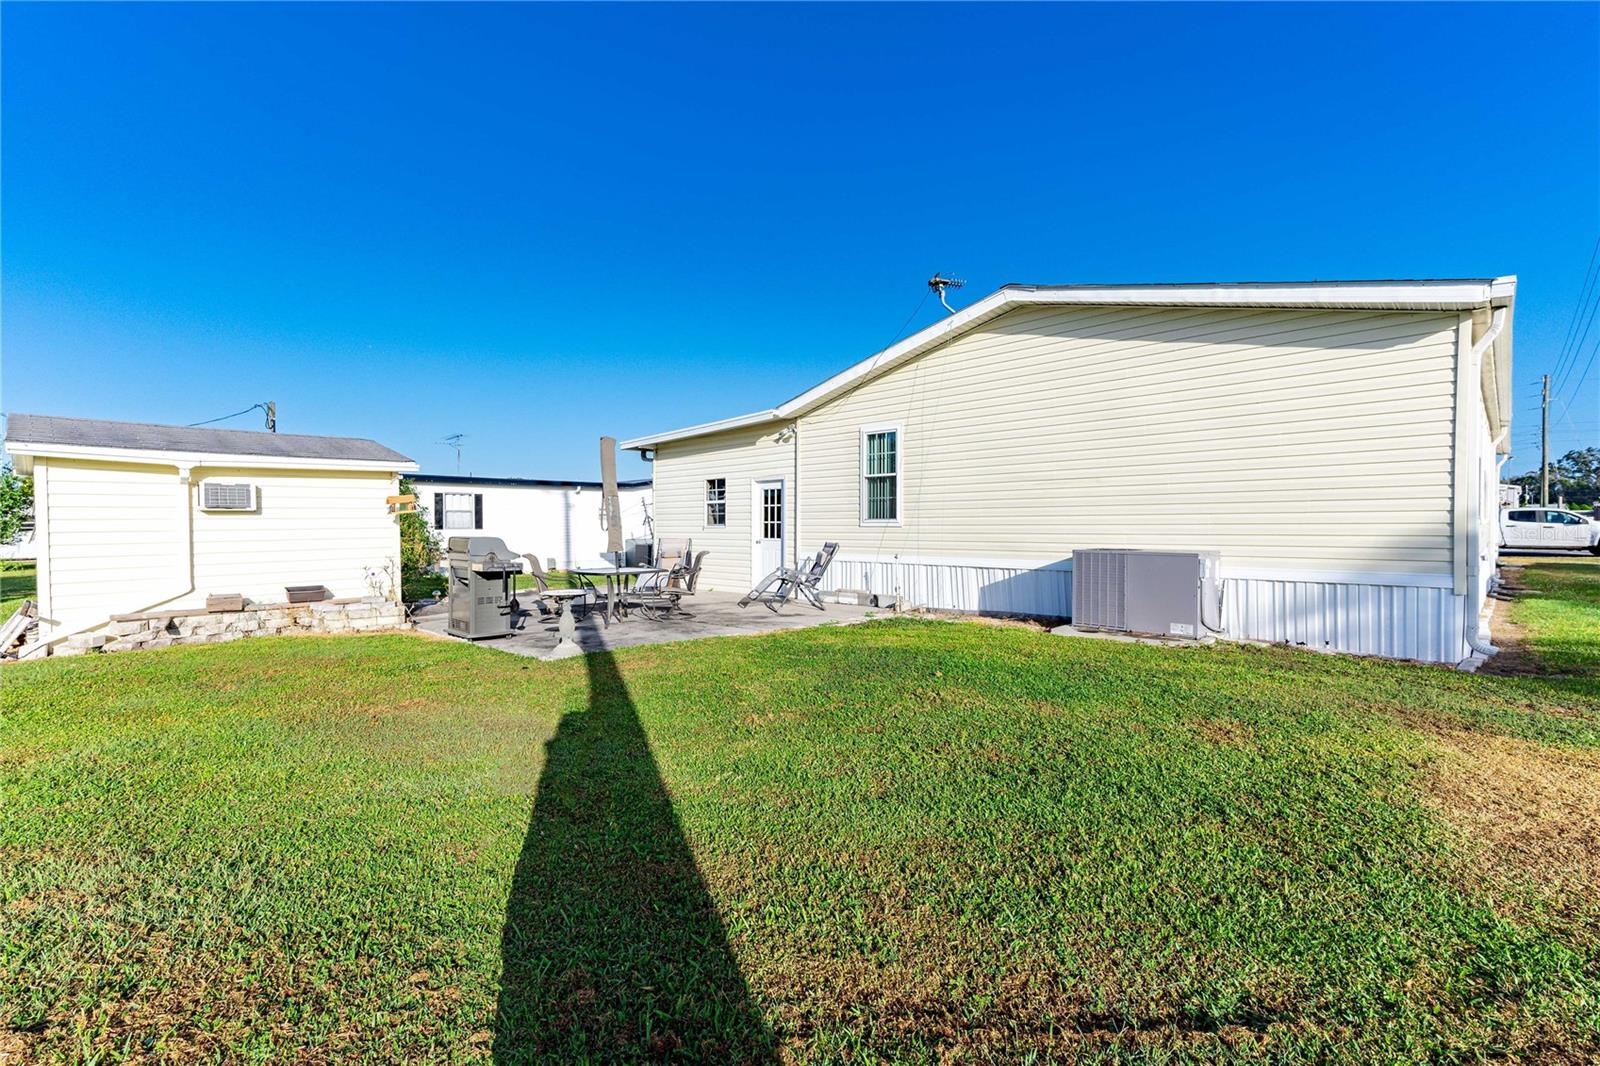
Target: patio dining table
617,580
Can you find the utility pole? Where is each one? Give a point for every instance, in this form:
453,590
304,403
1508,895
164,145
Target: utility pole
1544,445
272,417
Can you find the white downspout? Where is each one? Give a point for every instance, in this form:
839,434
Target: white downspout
1475,639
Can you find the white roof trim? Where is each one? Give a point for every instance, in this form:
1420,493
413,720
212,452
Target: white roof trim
193,459
754,418
1448,295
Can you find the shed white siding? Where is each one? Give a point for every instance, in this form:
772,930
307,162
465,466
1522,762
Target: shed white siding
310,528
115,539
112,534
740,457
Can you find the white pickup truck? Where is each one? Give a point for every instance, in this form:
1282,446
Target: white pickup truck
1548,527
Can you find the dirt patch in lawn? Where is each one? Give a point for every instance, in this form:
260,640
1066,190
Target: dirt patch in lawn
998,621
1226,732
1516,658
1530,809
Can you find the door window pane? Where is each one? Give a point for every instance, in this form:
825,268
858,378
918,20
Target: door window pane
771,514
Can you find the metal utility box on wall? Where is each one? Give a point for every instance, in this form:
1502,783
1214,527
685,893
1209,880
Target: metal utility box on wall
482,579
1159,593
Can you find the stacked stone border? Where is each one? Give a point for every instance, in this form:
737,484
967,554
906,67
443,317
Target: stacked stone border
162,629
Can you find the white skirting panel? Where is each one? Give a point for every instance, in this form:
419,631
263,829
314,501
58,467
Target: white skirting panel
1396,620
984,586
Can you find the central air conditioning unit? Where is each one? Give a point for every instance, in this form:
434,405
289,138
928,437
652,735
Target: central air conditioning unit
1155,593
227,496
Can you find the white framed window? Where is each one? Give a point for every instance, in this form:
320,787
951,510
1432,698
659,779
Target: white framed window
882,469
716,501
461,510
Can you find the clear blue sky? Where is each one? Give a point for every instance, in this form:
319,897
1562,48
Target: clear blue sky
534,224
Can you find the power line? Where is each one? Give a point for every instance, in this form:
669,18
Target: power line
1577,390
1577,350
914,312
269,408
1566,412
1589,278
1569,359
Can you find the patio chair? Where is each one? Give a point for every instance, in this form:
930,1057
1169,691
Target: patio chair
694,571
544,595
661,599
786,583
673,555
566,606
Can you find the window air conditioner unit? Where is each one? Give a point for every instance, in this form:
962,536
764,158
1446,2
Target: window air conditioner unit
227,496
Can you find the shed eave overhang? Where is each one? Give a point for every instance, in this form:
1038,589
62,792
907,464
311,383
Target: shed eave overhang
149,457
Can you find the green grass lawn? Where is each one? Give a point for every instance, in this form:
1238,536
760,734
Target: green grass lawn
558,579
437,584
19,581
903,841
1563,616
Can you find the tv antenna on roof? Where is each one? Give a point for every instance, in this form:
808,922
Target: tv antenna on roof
938,284
454,441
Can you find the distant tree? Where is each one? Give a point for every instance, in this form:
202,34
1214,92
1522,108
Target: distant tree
1575,477
419,553
16,504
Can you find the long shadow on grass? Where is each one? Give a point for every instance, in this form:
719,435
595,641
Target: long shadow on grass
612,946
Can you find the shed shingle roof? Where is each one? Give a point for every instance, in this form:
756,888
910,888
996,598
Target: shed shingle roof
147,437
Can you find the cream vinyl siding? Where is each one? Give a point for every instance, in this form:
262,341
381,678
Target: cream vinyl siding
740,456
1282,438
116,545
113,537
309,528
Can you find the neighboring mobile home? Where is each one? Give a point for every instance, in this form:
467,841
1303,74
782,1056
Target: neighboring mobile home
132,517
1336,442
557,520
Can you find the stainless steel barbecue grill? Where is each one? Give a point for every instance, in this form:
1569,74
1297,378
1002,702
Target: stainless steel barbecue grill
483,575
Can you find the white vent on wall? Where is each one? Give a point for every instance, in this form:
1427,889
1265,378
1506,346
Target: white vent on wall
227,496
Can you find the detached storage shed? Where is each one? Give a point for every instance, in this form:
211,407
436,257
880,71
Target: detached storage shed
133,517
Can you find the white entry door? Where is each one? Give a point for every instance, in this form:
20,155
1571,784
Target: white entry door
767,508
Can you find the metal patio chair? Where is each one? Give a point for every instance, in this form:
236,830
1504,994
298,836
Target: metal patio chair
787,583
659,599
563,599
672,554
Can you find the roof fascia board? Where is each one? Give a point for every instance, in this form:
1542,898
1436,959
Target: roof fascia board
1500,352
1336,295
523,482
192,459
1421,296
969,317
755,418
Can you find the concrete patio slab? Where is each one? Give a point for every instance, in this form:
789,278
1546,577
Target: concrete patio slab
707,614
